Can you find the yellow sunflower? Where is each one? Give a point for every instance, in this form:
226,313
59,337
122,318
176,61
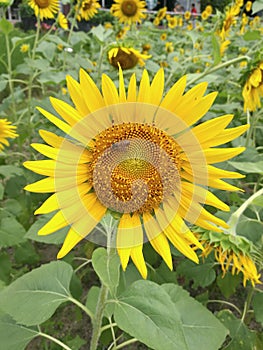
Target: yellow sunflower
172,22
248,6
161,13
62,21
233,253
209,10
24,48
253,89
44,8
87,9
126,57
129,11
6,131
134,154
187,15
204,15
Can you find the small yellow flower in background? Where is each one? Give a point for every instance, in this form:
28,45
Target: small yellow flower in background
128,11
248,6
62,21
138,152
204,15
126,57
121,33
198,46
195,59
180,22
24,48
163,64
60,47
146,47
168,17
176,59
209,10
239,3
44,8
245,19
181,50
190,26
108,25
207,64
233,253
223,47
243,50
172,22
243,64
163,36
64,91
161,13
87,9
187,15
169,47
156,21
253,89
7,131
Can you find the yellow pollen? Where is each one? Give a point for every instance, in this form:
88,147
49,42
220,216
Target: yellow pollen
135,166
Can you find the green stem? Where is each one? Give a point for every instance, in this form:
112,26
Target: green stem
97,320
128,342
226,303
218,67
9,70
82,307
247,304
55,340
234,218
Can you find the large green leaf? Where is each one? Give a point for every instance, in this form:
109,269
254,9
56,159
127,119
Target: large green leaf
197,321
146,312
14,336
257,303
248,167
34,297
11,232
107,268
241,338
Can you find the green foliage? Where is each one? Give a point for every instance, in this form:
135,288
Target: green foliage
257,303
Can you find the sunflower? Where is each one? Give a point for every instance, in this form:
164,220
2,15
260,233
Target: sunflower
44,8
209,10
161,13
62,21
253,89
232,252
87,9
187,15
134,154
126,57
6,131
172,22
223,47
204,15
169,47
24,48
129,11
248,6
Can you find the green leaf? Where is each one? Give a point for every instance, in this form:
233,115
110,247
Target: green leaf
257,303
250,228
14,336
241,337
55,238
257,6
258,201
11,232
92,298
202,275
228,284
5,26
252,35
10,170
216,49
108,269
5,264
146,312
2,190
47,49
197,323
248,167
26,254
13,206
76,343
99,32
34,297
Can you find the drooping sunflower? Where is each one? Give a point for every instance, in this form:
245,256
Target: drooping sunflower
6,131
233,252
134,154
126,57
87,9
129,11
253,89
44,8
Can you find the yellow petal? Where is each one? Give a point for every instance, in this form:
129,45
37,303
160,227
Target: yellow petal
122,91
75,92
138,259
157,86
68,113
59,123
57,222
109,91
144,89
174,94
50,204
71,240
132,89
42,186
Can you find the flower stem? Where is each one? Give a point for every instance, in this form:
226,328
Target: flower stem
234,218
9,70
55,340
218,67
97,320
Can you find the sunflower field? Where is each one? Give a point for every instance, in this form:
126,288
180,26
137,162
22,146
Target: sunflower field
131,176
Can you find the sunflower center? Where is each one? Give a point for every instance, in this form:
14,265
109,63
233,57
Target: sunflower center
129,8
86,5
42,3
135,166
